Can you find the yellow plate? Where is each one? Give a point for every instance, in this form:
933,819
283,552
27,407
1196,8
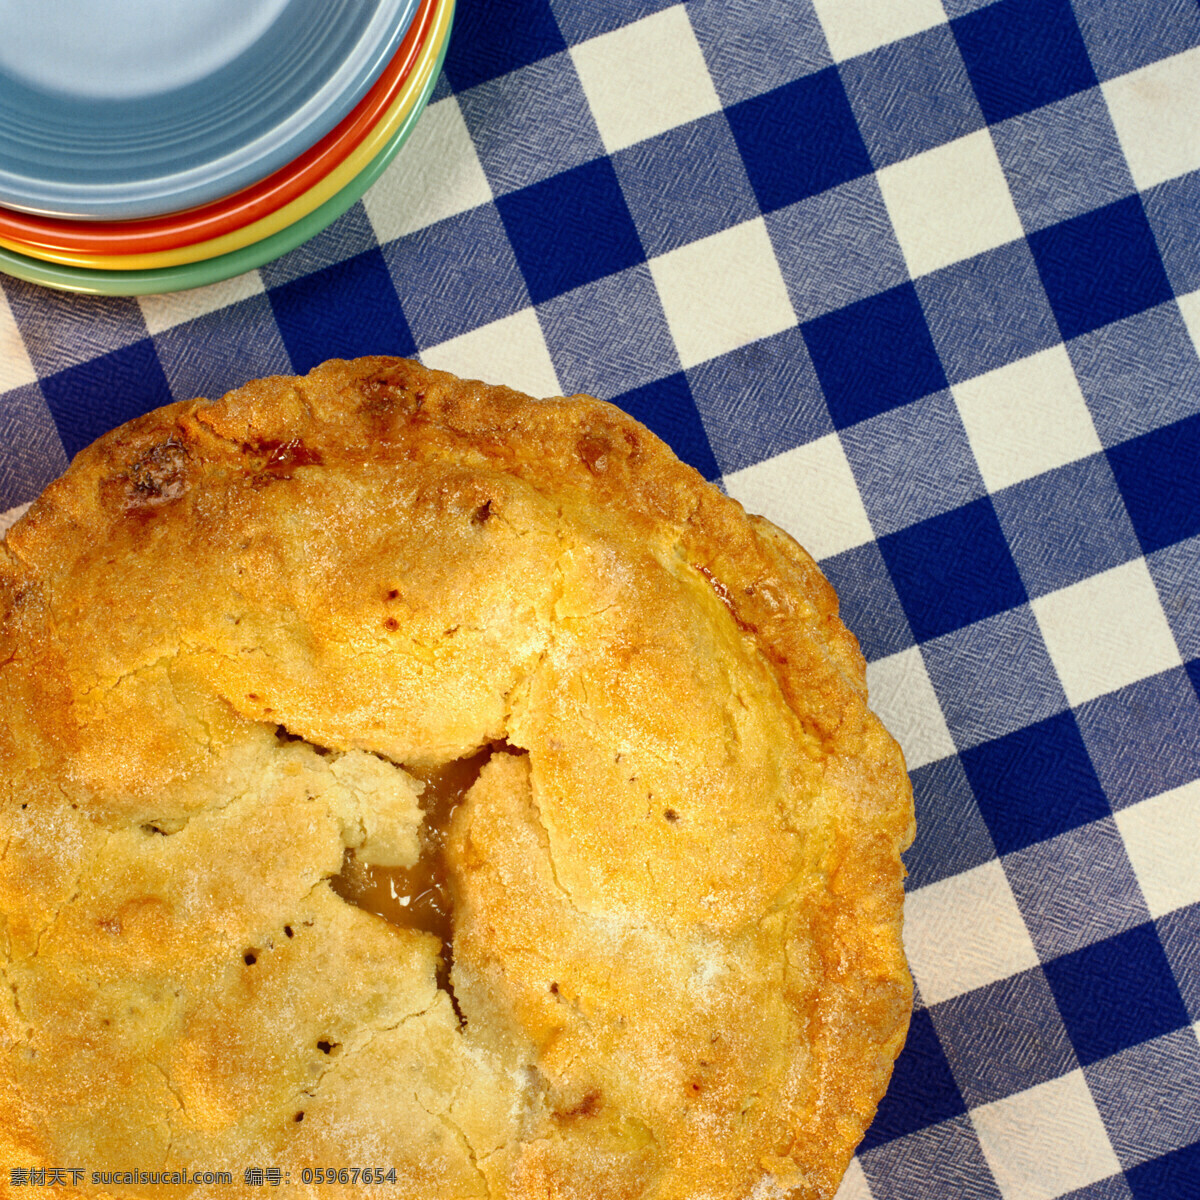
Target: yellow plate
358,159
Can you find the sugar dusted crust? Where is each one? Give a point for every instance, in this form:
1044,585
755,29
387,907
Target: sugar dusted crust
677,882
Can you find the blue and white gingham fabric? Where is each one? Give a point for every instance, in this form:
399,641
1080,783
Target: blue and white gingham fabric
919,280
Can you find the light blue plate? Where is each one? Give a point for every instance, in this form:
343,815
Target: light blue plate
94,282
118,109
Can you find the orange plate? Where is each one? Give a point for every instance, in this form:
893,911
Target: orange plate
250,204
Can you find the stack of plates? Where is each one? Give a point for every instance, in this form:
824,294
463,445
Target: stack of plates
150,147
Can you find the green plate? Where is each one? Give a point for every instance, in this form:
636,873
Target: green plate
93,281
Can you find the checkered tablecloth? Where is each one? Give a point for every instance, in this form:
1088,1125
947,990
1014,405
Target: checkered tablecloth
919,280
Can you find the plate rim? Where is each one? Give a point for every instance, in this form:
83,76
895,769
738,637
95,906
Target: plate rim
308,201
365,142
230,212
312,115
163,280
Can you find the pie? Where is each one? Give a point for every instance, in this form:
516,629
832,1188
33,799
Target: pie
400,774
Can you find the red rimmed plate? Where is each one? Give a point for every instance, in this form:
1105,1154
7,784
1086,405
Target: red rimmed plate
252,203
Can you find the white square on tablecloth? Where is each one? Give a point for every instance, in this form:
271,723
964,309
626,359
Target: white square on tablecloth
1106,632
511,351
965,932
854,1183
856,26
436,175
949,203
176,308
809,492
1025,418
1189,306
722,292
1156,112
902,697
645,78
16,368
1046,1141
1162,839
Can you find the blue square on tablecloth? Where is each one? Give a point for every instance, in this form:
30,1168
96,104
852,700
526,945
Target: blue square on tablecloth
870,607
1193,670
1138,374
1035,783
685,184
666,407
346,310
1113,1187
836,248
1176,574
1062,160
755,48
31,452
874,355
493,37
987,311
60,330
1171,209
579,22
104,392
1022,54
1145,738
953,837
1149,1096
799,139
1122,35
530,124
1174,1176
1004,1038
935,1163
219,351
1179,932
760,400
571,229
1116,993
1100,267
952,569
958,8
1066,525
609,336
1076,888
922,1091
456,275
1159,477
912,463
911,95
981,696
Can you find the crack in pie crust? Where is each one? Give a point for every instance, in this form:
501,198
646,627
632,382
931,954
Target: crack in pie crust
232,637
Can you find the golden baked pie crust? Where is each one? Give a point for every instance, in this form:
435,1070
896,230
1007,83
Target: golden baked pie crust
677,883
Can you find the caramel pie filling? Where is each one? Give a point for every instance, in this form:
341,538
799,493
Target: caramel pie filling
418,897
